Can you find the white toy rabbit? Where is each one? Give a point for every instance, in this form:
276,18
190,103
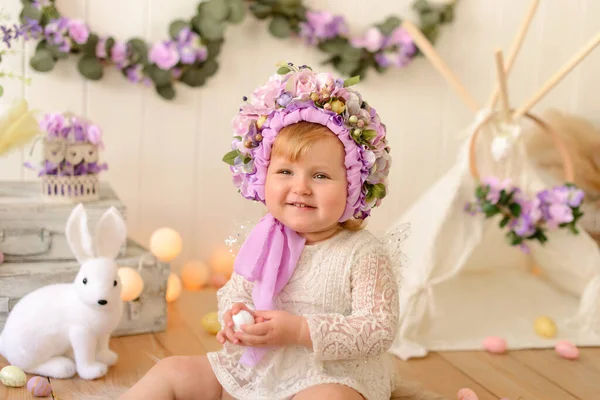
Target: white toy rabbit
60,329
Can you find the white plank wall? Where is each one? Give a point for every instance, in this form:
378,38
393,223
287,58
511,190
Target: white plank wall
165,157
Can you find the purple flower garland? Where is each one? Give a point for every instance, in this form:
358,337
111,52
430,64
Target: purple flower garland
528,218
190,54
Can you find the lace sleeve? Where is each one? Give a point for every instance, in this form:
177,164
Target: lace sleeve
236,290
371,327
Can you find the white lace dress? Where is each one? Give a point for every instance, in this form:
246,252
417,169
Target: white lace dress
346,289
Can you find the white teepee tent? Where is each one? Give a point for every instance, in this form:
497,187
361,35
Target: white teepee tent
464,282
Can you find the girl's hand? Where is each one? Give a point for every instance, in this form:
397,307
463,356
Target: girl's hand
226,333
280,328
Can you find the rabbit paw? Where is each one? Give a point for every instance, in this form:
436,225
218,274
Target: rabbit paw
107,357
56,367
92,370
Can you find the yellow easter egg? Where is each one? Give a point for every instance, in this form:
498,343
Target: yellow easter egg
545,327
210,323
12,376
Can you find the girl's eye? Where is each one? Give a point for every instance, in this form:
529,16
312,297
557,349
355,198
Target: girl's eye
284,172
321,176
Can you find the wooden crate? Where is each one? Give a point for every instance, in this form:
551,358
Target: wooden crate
33,229
146,314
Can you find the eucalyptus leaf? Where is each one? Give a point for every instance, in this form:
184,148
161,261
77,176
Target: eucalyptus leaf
347,67
139,50
352,54
283,70
237,11
210,67
42,61
167,92
56,53
196,22
30,12
89,48
430,18
447,15
176,27
504,222
211,30
388,26
90,67
1,89
421,5
261,11
194,77
280,27
216,10
214,48
334,46
159,76
108,46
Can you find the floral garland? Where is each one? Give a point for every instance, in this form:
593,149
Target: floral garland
528,219
190,55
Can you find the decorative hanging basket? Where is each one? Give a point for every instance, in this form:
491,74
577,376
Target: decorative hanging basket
527,217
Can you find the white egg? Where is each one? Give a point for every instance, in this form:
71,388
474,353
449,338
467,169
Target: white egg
242,318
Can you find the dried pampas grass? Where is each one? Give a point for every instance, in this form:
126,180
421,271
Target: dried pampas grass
581,138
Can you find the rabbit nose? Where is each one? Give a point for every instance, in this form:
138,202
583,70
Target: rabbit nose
102,302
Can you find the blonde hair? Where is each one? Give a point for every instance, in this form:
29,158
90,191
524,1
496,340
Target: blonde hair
293,141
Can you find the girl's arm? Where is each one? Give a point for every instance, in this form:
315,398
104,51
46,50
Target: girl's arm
236,290
371,328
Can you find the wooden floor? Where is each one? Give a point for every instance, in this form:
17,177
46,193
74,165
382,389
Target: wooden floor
518,375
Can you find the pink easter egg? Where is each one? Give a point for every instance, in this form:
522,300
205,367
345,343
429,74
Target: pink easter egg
567,350
466,394
39,386
494,344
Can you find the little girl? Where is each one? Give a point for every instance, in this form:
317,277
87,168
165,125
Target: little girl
322,290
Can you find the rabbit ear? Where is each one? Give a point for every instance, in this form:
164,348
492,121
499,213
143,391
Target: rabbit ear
111,233
78,234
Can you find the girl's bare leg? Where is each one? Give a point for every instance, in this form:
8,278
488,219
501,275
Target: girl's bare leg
177,378
329,391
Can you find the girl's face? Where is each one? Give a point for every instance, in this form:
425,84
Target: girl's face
309,195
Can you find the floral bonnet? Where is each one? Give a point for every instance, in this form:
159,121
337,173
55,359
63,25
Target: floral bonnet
296,94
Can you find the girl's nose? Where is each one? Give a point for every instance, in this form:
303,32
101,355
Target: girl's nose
301,186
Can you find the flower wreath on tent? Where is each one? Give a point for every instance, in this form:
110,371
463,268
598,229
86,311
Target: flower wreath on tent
527,218
190,54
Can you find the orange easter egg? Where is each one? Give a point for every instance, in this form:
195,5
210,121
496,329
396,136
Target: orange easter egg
466,394
567,350
494,344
